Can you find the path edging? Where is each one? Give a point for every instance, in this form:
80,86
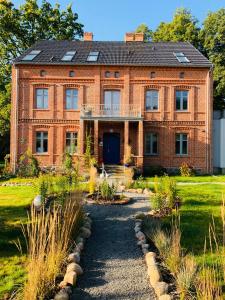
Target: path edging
154,275
73,269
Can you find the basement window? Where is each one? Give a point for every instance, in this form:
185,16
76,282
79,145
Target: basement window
68,56
181,57
31,55
93,56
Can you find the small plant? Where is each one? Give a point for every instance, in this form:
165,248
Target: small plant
157,201
28,165
7,169
129,174
67,162
43,189
88,152
106,190
185,277
186,170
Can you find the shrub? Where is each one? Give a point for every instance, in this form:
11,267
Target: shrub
154,170
68,162
106,190
129,174
88,152
157,201
28,165
186,170
128,155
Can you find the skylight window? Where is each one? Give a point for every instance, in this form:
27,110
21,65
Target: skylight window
93,56
181,57
30,56
68,56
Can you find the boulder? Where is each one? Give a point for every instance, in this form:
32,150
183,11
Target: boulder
140,235
165,297
150,258
62,284
139,191
70,277
85,233
153,274
144,251
62,295
145,246
146,191
79,240
80,246
74,267
74,257
37,202
137,228
161,288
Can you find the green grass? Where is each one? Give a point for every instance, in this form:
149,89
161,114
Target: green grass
195,179
13,204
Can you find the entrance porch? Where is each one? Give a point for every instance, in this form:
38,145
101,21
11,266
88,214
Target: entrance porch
110,139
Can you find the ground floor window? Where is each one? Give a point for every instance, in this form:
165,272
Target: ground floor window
71,142
41,141
151,143
181,144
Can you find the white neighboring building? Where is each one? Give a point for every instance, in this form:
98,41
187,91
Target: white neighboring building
219,141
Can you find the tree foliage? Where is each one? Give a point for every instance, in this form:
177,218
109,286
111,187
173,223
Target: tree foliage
22,27
183,28
143,28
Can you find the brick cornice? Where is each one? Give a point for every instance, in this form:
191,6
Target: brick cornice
49,121
174,123
168,81
38,80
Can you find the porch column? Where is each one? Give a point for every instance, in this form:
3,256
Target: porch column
96,139
81,138
126,136
140,144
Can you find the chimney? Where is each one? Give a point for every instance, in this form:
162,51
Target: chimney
139,37
129,37
88,36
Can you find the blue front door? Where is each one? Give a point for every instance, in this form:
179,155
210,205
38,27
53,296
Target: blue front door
111,148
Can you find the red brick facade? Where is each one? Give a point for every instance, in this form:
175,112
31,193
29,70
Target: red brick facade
132,82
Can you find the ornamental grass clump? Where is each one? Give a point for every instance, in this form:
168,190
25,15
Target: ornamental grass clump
93,179
49,238
106,191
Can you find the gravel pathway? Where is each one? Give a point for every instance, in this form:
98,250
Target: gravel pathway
113,264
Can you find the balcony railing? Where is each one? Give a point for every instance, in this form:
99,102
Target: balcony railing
89,111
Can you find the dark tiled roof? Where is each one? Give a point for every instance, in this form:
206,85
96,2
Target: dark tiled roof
116,53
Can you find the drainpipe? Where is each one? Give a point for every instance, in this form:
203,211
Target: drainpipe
16,121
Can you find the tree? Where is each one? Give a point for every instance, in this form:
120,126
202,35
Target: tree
143,28
212,36
183,28
22,27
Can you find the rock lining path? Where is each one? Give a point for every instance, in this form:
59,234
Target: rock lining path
113,263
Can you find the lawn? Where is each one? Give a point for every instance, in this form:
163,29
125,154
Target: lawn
200,204
13,204
196,179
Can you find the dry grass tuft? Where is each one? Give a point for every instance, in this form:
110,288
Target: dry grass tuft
48,239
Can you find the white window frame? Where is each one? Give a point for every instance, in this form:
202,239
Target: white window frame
151,96
71,96
41,139
43,93
150,136
181,138
181,99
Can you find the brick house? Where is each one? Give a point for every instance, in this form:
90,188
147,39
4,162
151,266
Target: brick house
155,97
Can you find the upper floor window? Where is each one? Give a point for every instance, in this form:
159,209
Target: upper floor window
71,142
181,144
107,74
71,99
151,143
152,100
71,73
41,141
117,74
181,75
152,75
43,73
42,98
181,100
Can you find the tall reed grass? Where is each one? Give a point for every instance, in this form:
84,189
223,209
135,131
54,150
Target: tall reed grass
49,238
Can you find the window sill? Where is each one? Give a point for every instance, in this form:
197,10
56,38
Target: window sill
72,110
153,155
182,111
182,155
152,110
42,154
41,109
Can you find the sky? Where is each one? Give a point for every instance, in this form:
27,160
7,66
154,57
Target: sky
111,19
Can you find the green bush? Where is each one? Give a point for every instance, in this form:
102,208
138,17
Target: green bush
28,165
154,171
158,201
106,190
186,170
